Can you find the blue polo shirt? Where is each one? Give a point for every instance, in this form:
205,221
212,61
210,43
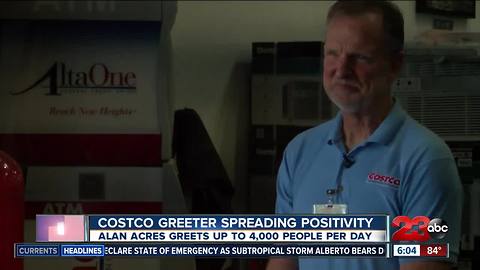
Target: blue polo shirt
401,169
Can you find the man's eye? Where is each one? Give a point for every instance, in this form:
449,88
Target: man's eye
363,58
331,53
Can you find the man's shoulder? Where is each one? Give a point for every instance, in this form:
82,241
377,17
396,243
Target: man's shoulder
421,140
311,137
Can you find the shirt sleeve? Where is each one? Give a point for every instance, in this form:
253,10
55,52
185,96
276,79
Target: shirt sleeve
284,200
434,190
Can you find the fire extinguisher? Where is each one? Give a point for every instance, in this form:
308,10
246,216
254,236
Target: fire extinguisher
11,211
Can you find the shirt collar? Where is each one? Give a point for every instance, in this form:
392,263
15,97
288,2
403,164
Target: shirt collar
335,136
384,133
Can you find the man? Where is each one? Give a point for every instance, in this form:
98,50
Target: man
371,158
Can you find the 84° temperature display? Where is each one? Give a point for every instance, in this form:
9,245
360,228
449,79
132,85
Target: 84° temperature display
434,250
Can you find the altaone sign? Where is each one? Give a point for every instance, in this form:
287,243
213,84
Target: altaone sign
61,79
80,77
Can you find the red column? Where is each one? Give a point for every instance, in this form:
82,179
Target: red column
11,211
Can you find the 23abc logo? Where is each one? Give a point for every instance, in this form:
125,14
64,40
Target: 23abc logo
419,228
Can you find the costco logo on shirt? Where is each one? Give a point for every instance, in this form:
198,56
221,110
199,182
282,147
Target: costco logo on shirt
384,179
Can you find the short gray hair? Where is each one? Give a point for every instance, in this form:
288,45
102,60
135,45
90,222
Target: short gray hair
391,14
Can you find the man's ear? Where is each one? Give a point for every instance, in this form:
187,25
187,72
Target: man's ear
397,63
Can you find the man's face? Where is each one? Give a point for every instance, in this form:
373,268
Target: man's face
358,68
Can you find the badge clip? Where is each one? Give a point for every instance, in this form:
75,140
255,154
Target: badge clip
330,207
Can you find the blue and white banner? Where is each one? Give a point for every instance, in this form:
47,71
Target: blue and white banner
238,222
270,228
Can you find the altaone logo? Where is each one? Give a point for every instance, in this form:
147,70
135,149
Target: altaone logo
383,179
98,78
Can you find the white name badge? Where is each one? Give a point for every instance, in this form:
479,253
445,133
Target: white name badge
328,208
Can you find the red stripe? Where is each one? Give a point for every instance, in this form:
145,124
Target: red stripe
84,149
78,207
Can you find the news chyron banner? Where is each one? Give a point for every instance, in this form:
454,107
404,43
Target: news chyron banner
209,236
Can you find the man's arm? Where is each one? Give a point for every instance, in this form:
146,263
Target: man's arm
425,266
283,264
434,190
284,205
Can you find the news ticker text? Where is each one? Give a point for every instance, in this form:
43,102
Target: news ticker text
229,250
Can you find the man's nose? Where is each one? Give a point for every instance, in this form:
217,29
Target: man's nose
344,67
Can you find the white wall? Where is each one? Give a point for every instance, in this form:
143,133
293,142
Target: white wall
211,54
